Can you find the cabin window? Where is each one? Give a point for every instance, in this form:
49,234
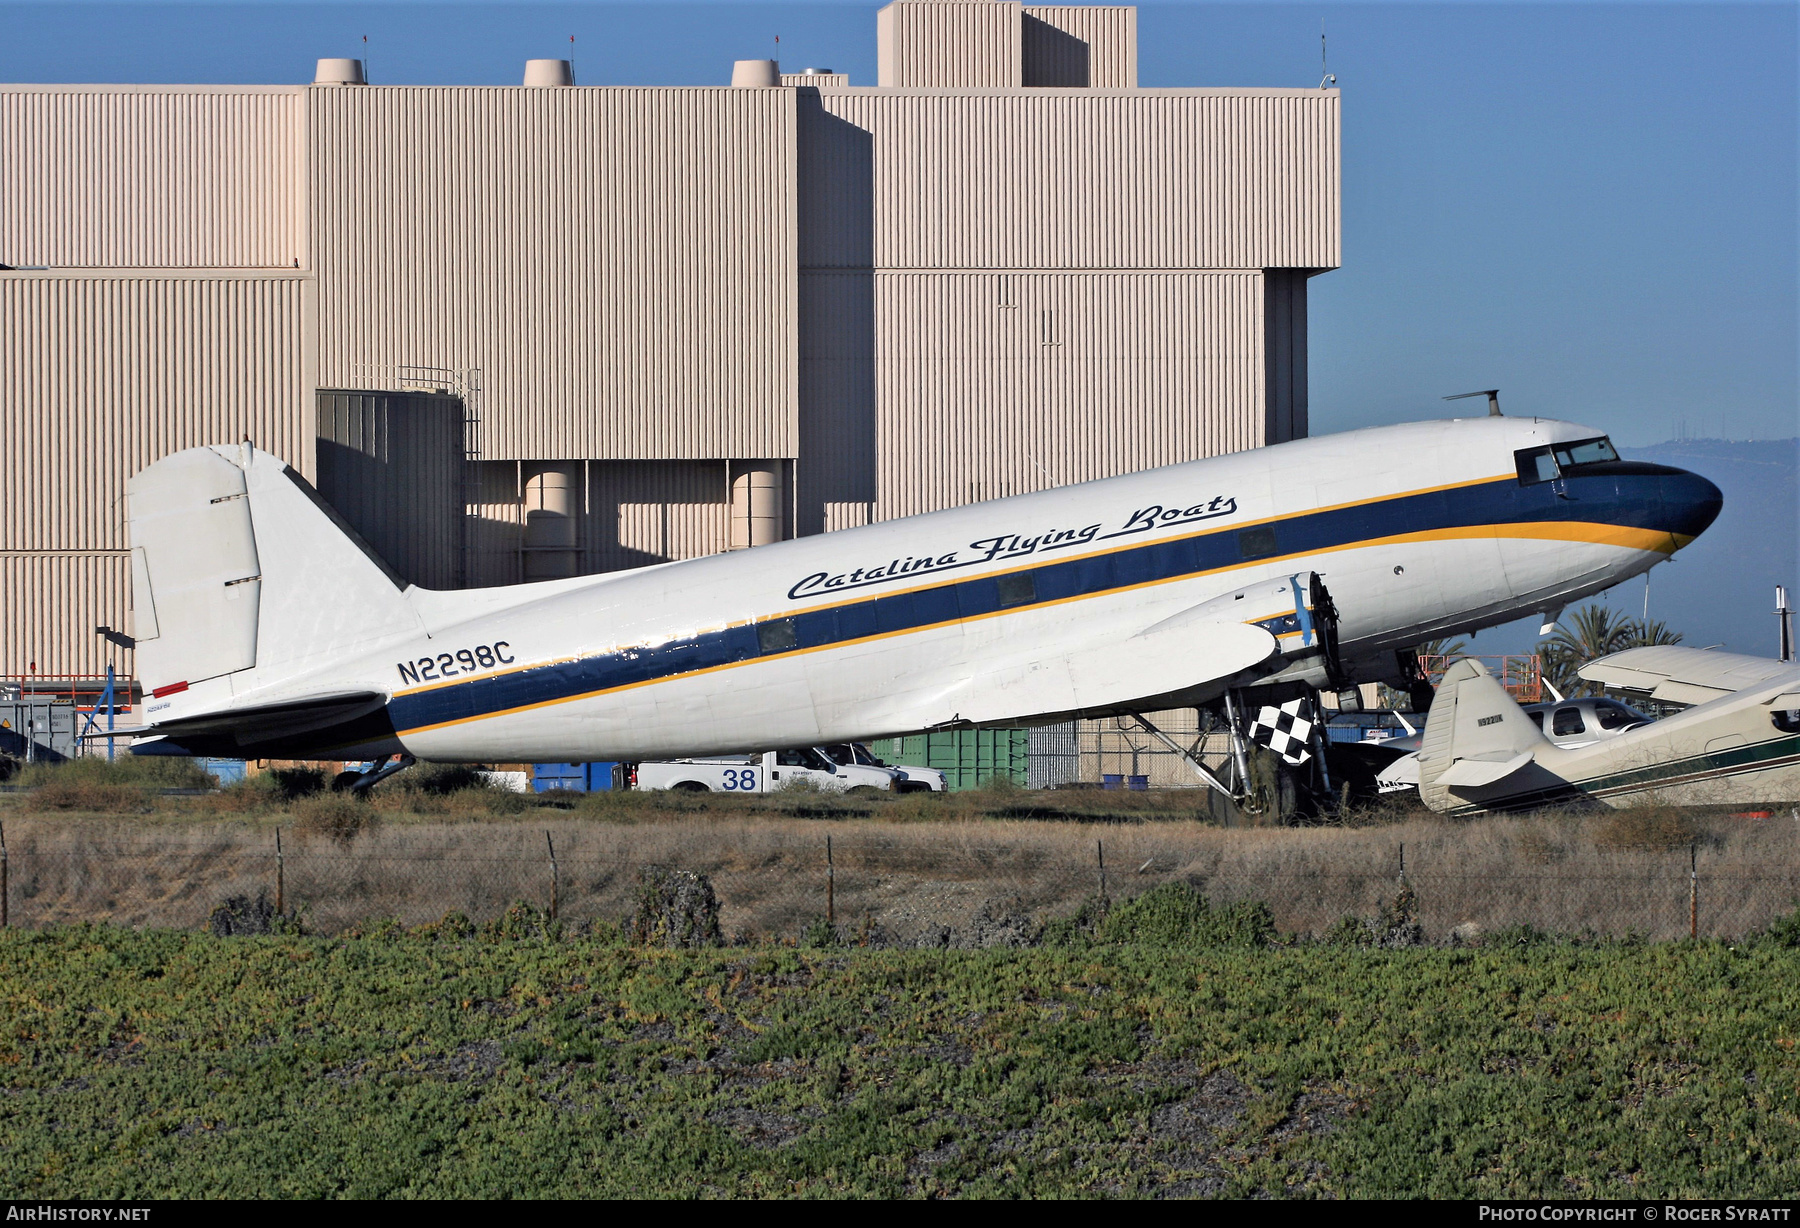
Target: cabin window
1568,722
1017,589
1787,720
1257,543
776,636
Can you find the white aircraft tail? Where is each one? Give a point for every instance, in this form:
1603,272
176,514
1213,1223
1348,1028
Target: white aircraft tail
238,565
1476,735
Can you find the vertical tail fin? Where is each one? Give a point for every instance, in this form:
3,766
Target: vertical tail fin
1476,736
237,565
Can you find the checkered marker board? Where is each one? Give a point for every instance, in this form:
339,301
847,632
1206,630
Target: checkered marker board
1286,730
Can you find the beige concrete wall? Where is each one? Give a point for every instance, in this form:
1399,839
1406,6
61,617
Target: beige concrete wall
618,263
1079,46
954,44
138,176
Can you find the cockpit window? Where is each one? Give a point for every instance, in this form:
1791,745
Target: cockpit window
1614,715
1554,461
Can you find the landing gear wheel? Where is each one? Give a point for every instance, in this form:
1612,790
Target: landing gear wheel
343,782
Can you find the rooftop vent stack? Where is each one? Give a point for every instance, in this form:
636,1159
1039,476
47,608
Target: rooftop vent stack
754,73
339,72
549,72
815,72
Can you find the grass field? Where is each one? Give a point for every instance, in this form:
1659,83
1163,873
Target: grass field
419,1064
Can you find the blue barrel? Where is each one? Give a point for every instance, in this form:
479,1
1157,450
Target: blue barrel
1110,781
1138,784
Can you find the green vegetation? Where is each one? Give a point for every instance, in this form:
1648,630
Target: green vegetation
508,1059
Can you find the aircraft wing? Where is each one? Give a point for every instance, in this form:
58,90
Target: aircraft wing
264,722
1684,675
1158,661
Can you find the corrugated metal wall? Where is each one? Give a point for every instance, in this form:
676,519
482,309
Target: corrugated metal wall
1092,46
970,44
391,463
994,384
53,601
142,176
1145,179
619,263
106,373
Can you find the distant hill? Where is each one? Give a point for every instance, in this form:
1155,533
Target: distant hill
1721,589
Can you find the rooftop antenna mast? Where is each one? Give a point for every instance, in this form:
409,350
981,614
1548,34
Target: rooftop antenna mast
1325,77
1492,394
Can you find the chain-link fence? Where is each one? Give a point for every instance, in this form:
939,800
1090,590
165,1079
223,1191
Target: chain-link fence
911,884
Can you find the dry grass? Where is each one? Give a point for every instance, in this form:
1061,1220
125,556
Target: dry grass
348,860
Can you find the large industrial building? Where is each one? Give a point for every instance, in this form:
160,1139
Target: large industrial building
523,332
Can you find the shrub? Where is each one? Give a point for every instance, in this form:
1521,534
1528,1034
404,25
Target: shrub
341,816
240,915
1393,926
675,908
1648,829
91,797
146,771
1173,915
1177,915
290,783
1784,931
820,933
522,920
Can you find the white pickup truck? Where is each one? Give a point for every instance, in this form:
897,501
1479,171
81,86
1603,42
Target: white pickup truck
912,779
767,772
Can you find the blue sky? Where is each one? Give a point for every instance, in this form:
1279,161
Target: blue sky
1592,207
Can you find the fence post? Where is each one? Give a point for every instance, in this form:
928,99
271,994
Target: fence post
830,886
1403,865
280,876
5,893
1100,852
1693,891
555,873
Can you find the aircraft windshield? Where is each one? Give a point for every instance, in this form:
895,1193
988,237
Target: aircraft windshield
1557,460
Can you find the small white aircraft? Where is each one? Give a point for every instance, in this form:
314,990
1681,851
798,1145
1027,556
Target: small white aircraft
1739,743
266,629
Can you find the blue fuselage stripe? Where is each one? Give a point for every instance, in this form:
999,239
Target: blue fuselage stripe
1632,501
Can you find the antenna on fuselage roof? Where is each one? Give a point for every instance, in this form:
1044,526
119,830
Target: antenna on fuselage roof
1492,394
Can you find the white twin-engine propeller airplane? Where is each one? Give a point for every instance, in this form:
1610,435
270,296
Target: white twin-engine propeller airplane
266,629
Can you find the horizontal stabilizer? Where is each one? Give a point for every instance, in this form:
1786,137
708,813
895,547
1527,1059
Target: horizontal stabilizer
1470,773
265,722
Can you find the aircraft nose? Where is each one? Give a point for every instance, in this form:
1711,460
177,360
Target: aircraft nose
1689,503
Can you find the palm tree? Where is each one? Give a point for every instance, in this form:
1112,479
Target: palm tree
1592,632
